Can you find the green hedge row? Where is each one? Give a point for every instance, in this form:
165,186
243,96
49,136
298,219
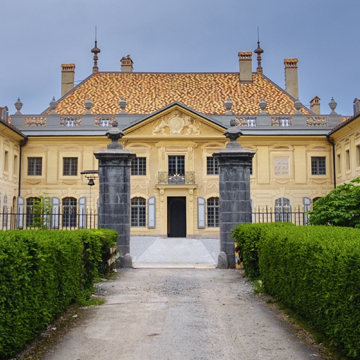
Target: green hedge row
315,270
41,273
247,238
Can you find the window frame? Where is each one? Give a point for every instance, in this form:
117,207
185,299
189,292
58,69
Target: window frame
70,159
213,166
139,169
138,212
35,166
316,167
213,212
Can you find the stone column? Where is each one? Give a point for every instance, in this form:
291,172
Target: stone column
114,191
234,185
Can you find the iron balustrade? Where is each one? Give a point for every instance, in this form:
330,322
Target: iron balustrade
188,178
68,219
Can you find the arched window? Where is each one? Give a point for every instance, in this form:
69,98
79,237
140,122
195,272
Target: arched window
213,212
282,209
138,212
30,202
5,213
69,205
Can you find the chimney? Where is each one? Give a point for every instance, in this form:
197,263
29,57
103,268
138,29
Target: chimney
67,78
245,66
126,64
315,105
291,77
356,106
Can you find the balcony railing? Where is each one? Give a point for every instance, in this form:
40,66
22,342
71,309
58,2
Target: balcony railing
179,179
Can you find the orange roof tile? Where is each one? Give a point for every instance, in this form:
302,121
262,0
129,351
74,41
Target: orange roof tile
148,92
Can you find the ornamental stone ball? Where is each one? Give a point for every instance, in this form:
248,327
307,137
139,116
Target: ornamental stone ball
114,134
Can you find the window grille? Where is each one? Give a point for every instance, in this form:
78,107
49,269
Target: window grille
30,217
69,212
213,211
138,166
318,166
138,212
212,166
34,166
177,165
282,210
70,165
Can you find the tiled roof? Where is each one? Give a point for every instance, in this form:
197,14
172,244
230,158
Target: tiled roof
344,121
12,127
148,92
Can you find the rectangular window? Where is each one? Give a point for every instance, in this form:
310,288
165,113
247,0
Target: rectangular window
138,166
338,164
34,166
212,166
70,165
15,170
251,169
177,165
357,155
347,157
318,166
6,161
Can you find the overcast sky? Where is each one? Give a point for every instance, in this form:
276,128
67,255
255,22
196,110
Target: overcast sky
37,36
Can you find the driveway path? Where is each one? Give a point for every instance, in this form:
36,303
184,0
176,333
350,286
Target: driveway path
173,314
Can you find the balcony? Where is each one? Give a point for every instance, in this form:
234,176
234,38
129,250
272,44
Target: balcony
163,178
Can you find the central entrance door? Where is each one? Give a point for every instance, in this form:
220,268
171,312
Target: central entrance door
176,216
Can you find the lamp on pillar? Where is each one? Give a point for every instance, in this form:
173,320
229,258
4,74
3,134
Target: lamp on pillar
91,175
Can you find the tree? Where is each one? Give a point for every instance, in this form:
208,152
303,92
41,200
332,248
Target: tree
341,207
41,211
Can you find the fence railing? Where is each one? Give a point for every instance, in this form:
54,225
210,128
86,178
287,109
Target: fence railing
54,221
266,214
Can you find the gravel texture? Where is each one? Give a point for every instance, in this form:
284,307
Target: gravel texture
181,314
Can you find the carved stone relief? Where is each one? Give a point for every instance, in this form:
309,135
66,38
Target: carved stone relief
178,124
281,166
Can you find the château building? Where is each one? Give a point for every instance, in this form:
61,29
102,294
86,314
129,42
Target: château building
174,122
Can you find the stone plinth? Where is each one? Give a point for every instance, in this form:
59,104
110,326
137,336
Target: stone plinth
234,189
114,194
114,191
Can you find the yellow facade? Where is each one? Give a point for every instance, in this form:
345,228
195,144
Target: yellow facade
281,166
9,166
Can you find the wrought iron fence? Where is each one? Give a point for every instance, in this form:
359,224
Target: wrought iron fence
69,219
265,214
187,178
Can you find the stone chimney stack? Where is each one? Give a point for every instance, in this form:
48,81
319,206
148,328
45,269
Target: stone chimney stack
291,77
126,64
67,78
245,66
315,105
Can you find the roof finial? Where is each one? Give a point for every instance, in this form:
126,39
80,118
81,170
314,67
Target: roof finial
259,51
95,51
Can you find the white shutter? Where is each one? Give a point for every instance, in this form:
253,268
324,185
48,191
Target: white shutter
55,213
20,213
201,213
82,213
152,213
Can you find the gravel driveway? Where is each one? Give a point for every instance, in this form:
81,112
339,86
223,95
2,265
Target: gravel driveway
173,314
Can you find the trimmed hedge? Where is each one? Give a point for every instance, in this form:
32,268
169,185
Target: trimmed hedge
41,273
315,270
247,240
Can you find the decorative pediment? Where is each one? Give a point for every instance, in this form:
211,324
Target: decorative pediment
175,121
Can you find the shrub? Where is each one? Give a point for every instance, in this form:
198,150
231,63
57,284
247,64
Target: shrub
247,240
341,207
316,271
41,273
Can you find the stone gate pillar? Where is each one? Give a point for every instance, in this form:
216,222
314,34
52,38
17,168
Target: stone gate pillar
114,191
234,186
